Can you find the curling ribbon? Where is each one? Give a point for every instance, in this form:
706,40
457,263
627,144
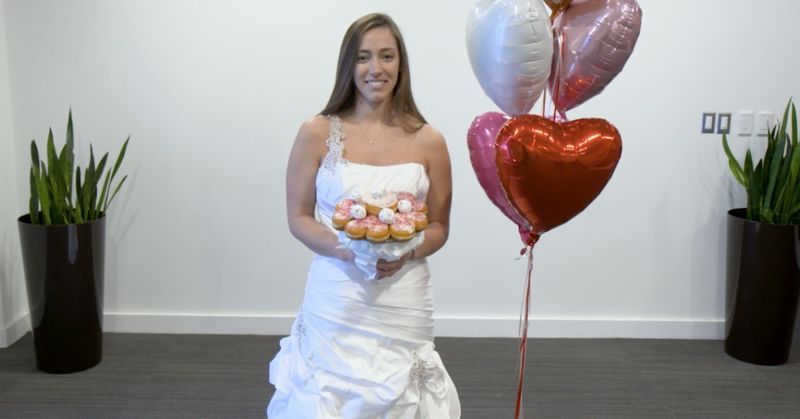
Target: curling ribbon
523,331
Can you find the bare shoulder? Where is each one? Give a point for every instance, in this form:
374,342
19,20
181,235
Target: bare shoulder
316,127
312,135
431,139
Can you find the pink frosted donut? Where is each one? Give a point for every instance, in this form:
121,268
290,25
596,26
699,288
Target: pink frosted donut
340,219
419,219
345,204
376,230
402,229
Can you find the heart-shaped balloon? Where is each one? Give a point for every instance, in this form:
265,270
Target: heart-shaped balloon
481,140
510,47
552,171
594,39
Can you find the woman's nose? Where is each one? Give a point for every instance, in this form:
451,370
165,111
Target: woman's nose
375,66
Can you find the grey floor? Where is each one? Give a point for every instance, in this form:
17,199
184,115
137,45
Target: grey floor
203,376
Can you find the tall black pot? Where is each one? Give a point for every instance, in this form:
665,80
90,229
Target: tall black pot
763,287
64,268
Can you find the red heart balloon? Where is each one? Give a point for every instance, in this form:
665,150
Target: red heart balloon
552,171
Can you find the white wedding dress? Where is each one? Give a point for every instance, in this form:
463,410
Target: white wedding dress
361,348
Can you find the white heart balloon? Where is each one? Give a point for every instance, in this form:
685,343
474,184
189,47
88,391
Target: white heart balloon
510,47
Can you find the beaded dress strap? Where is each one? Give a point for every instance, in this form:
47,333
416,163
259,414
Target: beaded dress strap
335,155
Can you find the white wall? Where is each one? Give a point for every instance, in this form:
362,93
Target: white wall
212,93
13,306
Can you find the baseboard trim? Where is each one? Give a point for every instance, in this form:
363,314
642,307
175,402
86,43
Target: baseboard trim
279,324
15,331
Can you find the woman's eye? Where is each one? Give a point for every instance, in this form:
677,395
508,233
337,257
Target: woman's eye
388,57
363,59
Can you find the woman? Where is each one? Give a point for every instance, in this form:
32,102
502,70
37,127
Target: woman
364,348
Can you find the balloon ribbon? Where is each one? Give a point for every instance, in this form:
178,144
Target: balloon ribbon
523,328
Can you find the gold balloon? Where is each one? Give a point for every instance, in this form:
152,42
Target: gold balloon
557,6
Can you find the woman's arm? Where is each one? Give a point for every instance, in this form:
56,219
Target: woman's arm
440,196
301,171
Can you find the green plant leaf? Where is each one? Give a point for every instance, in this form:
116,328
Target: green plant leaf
775,163
794,124
95,202
88,181
119,185
101,202
44,194
790,196
79,208
736,169
117,164
67,158
34,156
33,204
754,192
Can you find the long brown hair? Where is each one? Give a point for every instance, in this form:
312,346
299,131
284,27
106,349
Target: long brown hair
343,97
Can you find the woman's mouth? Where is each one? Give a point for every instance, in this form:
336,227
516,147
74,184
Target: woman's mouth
376,84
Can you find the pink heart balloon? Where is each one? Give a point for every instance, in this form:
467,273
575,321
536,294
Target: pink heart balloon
481,140
593,40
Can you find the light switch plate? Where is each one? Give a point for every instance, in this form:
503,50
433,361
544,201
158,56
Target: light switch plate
708,122
745,123
764,121
724,123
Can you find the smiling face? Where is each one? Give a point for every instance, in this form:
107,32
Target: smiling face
377,65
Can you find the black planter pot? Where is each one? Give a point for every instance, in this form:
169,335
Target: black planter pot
64,268
763,287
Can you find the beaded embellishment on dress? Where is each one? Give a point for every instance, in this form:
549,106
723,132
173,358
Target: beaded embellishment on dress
421,370
335,154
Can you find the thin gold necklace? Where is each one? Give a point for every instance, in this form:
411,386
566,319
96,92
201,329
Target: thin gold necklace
371,141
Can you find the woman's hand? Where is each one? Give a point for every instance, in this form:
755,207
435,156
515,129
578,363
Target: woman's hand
343,253
386,268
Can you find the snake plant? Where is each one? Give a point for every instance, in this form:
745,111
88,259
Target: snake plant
55,199
772,185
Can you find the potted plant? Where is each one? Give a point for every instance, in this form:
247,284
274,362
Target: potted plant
63,248
763,272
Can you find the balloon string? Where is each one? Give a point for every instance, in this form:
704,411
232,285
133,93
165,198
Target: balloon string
523,338
557,80
544,101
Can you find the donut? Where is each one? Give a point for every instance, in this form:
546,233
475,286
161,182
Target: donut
340,219
345,204
377,231
419,219
402,229
375,202
407,196
420,206
355,229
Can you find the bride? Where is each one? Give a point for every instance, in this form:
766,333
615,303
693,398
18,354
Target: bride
362,348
